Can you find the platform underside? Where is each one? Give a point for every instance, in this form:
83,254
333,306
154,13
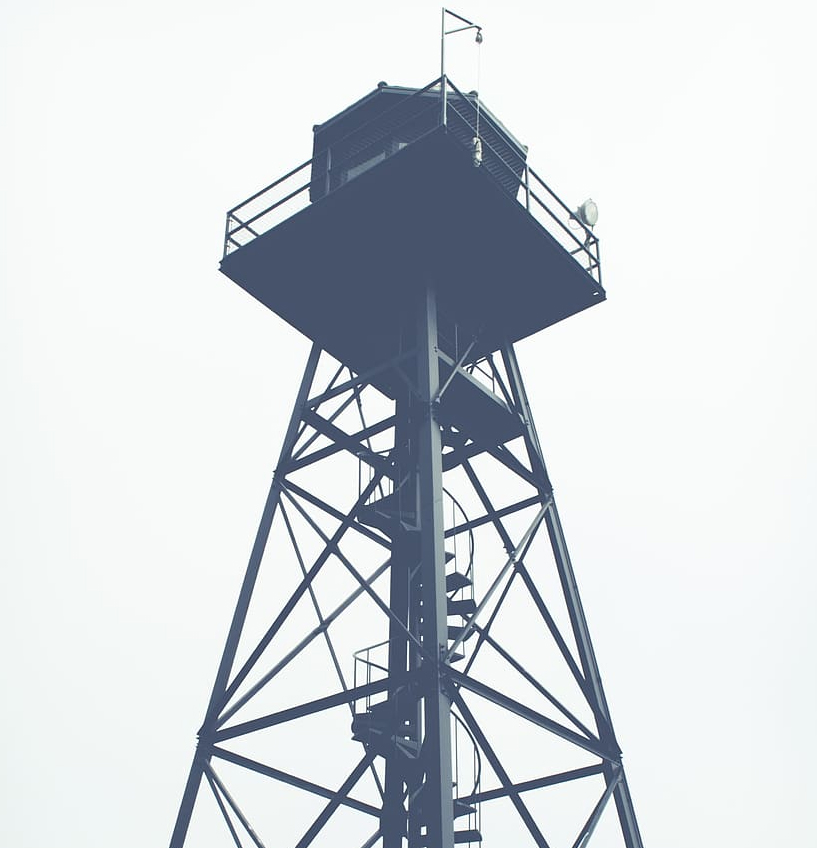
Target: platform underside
346,271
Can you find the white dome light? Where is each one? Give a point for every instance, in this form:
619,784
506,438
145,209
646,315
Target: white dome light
588,213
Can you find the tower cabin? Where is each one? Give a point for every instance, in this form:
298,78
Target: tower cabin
390,118
409,188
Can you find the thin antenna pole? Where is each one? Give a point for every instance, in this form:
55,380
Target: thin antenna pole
443,81
443,34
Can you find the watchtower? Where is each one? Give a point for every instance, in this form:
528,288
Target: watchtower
410,664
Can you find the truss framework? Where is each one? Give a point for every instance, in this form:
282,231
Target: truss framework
427,761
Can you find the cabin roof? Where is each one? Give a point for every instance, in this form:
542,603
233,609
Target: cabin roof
385,92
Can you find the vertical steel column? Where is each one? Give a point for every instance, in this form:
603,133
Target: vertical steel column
436,752
202,755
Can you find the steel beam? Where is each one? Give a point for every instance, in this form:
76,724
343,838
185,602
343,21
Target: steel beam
528,785
329,549
581,633
289,486
291,780
417,797
492,516
516,665
594,746
233,806
331,450
590,825
201,757
338,798
510,788
223,808
436,749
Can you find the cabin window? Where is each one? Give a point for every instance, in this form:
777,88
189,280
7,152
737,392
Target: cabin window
352,171
355,170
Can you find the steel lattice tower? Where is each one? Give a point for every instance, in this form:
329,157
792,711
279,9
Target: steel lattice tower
410,574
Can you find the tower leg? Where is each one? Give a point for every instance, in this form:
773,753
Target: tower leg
216,702
581,632
191,791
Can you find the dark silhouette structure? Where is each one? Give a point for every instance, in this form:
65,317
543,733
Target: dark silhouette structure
409,663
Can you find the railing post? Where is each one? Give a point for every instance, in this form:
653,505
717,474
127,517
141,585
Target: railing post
227,235
527,187
598,263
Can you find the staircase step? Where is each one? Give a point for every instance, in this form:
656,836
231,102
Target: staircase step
454,632
380,738
462,809
381,709
455,581
460,837
388,503
364,724
389,523
449,556
450,439
465,607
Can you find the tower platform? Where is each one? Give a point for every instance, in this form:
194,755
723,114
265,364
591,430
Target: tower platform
346,269
397,203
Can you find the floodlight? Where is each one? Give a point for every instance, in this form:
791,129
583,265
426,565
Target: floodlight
588,213
476,144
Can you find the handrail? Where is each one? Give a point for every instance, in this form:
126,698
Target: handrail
370,648
246,224
561,203
590,237
582,245
538,195
270,186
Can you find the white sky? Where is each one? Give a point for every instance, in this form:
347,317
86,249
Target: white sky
145,396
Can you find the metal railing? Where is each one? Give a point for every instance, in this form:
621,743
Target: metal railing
371,665
389,132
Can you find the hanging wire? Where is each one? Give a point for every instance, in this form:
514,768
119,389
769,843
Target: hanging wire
477,143
479,85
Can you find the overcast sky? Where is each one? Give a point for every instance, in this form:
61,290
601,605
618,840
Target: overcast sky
144,396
